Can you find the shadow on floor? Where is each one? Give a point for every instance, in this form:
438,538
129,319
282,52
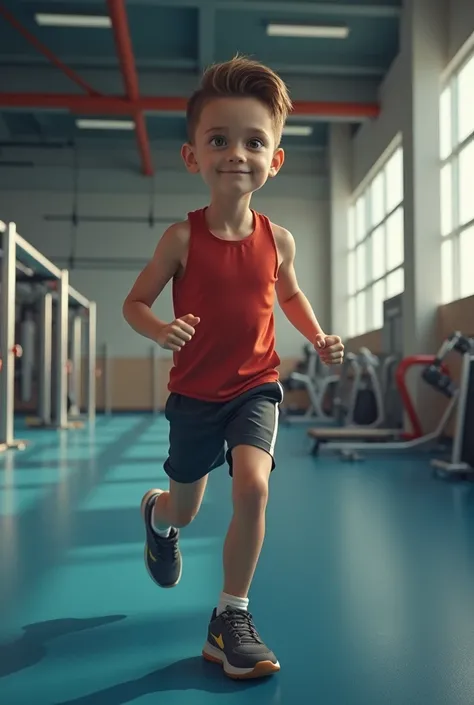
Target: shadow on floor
187,674
192,673
31,648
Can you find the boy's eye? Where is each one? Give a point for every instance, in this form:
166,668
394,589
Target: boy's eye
218,141
256,143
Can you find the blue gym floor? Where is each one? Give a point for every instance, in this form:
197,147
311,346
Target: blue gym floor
365,588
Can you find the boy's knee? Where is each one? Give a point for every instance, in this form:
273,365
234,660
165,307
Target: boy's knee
251,495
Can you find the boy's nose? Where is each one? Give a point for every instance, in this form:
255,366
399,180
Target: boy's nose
236,155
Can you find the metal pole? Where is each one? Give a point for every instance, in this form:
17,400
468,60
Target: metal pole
106,377
62,348
28,336
7,338
46,323
92,362
76,355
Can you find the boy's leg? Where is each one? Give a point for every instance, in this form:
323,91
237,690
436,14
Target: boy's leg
178,506
164,513
232,637
251,472
197,446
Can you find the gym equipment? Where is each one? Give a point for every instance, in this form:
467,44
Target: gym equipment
461,463
352,397
393,406
343,396
357,397
309,376
24,267
357,437
435,373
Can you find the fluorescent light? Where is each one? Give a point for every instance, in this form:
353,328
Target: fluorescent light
298,130
87,124
91,21
317,31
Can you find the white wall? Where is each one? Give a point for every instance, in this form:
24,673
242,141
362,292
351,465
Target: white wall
297,200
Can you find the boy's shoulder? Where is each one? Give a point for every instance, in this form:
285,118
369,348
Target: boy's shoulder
178,233
283,237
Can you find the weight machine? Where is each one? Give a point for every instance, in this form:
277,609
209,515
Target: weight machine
21,263
354,396
358,399
436,374
309,377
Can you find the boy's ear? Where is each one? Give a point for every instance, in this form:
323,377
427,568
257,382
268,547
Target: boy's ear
187,153
277,162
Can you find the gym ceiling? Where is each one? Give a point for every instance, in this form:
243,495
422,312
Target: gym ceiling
64,64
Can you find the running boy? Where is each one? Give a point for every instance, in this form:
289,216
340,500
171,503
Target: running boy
227,263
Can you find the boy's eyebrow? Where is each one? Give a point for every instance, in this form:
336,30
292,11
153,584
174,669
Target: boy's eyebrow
250,129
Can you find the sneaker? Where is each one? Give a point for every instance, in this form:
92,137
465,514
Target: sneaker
234,642
162,555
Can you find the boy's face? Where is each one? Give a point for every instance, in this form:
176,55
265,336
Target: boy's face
234,148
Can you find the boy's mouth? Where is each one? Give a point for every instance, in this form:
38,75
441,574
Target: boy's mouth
235,171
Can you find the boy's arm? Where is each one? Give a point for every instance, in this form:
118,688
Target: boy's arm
148,286
296,306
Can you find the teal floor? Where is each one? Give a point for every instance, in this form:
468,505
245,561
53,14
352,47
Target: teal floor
364,590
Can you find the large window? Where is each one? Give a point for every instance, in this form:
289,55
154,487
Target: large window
457,183
375,252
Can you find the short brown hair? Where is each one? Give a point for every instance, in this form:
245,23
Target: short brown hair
243,77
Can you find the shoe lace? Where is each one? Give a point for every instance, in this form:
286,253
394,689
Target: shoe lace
241,625
168,549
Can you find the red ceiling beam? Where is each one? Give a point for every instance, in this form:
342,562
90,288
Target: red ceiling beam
116,105
118,15
39,46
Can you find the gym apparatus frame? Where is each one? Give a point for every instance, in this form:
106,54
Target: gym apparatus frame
19,255
461,464
436,375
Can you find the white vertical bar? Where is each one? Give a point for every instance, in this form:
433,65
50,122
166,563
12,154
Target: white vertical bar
62,349
7,335
76,358
455,189
28,343
106,380
461,409
46,322
92,361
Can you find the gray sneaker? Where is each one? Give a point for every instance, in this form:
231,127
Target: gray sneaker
162,555
234,642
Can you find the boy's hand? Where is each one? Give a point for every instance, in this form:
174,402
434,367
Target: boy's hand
330,349
176,334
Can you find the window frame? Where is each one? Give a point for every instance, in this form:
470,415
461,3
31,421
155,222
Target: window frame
451,82
365,190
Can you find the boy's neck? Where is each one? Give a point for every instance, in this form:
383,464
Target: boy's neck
230,216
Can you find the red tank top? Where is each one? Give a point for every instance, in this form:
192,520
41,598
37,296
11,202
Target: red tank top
230,285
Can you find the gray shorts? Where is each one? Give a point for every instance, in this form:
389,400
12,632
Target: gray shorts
203,434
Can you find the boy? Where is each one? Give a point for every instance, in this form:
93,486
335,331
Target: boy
227,263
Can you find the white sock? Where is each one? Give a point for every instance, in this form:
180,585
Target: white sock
164,533
238,603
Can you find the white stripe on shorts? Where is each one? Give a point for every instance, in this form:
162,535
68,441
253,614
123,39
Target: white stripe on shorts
277,417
